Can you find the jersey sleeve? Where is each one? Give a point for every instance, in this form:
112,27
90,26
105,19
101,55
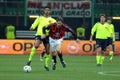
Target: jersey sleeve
69,29
94,29
53,20
110,30
36,22
72,31
113,31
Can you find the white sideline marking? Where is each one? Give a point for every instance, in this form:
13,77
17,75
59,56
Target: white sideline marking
110,73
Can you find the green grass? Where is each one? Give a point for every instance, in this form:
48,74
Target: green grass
78,68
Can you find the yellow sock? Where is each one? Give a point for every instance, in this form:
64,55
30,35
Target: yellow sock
47,59
102,59
33,51
111,55
98,59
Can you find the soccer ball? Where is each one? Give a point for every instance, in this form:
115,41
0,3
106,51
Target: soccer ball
27,68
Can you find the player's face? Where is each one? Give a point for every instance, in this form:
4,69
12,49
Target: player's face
59,23
47,11
102,19
109,21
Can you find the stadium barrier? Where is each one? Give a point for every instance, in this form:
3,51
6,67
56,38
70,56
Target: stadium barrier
68,47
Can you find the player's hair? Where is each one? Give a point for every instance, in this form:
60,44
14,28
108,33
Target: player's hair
47,7
109,18
60,19
103,15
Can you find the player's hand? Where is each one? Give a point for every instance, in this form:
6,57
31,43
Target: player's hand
113,42
31,28
111,36
90,40
43,36
78,40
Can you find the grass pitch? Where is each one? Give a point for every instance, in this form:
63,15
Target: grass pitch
78,68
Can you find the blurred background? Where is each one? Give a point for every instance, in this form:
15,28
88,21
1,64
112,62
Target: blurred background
22,13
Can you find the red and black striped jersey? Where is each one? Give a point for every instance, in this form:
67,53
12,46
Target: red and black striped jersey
57,32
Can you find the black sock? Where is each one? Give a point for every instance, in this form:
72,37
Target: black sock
43,53
60,56
54,59
28,63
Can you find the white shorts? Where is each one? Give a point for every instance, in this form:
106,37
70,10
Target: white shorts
54,43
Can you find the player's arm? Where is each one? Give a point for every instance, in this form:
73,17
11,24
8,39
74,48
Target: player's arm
109,27
44,31
69,29
113,33
53,20
92,32
35,24
73,33
45,28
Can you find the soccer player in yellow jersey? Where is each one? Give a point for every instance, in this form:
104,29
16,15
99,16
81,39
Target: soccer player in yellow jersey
111,38
39,23
101,29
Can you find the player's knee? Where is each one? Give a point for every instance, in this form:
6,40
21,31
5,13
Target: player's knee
54,53
36,46
47,51
59,51
110,46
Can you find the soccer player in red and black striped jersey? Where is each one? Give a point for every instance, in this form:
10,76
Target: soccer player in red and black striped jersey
56,35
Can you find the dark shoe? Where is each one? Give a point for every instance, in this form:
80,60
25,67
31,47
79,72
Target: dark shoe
63,64
46,68
54,66
28,63
99,65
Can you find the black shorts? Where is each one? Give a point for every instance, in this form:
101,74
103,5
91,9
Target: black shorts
45,40
109,41
101,43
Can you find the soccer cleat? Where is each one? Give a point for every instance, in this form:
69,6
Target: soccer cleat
41,58
63,64
99,65
110,60
54,66
46,68
28,63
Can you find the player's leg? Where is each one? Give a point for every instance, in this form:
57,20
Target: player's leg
53,44
111,49
34,49
103,46
98,52
42,55
54,56
102,57
47,56
111,53
60,54
98,56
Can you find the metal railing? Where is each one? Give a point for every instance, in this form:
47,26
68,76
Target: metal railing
12,8
108,9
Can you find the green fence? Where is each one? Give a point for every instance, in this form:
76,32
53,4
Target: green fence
108,9
12,8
